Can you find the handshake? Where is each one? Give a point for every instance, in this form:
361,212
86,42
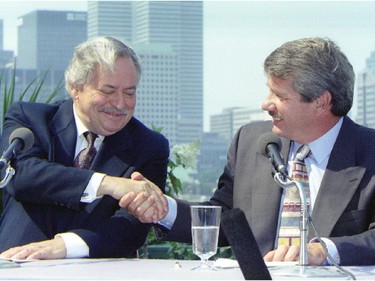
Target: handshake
142,198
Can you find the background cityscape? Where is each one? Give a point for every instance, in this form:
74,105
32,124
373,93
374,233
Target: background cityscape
202,61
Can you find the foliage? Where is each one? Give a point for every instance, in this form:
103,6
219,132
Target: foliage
183,157
9,95
9,92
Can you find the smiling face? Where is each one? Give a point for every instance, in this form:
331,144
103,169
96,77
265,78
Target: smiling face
106,104
291,117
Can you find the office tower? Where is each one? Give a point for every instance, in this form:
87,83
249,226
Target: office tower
46,39
231,119
175,23
110,18
157,94
179,23
211,161
366,93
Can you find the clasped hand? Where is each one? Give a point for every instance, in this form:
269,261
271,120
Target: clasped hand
147,208
138,195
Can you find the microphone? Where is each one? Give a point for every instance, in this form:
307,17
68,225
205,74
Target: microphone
244,245
20,140
270,145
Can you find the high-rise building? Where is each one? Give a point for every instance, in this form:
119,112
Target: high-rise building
46,39
366,94
178,24
157,95
110,18
231,119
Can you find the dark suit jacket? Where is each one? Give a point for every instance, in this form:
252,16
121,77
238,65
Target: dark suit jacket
344,209
43,197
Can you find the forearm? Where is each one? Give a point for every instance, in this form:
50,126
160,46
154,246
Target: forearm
40,182
115,187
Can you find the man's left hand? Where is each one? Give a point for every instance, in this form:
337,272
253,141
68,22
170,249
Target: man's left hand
315,252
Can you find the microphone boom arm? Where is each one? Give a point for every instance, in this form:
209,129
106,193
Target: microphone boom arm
286,182
9,173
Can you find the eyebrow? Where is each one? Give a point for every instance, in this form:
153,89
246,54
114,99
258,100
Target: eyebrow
114,88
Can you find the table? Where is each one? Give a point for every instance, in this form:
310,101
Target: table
134,269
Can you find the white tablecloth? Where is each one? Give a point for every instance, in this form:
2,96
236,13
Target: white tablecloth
136,269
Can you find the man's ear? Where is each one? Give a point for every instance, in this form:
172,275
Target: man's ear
73,91
324,102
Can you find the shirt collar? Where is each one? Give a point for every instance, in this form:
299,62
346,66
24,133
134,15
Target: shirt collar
321,148
81,128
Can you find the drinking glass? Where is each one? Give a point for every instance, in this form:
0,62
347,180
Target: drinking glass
205,224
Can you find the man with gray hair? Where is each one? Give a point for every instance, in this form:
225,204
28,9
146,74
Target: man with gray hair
311,85
63,199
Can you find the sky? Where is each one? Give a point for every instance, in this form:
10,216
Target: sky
239,35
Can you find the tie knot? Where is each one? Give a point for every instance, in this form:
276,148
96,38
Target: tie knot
90,137
303,152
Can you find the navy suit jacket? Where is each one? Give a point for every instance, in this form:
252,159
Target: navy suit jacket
43,197
344,209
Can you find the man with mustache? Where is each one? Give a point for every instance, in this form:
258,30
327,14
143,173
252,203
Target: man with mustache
56,207
311,84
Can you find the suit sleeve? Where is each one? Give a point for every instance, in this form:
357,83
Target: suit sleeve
34,168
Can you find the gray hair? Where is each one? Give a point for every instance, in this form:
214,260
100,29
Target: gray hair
98,53
315,65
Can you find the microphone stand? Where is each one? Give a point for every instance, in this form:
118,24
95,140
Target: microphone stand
287,183
303,269
9,173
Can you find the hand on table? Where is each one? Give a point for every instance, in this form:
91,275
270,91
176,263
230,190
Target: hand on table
48,249
315,253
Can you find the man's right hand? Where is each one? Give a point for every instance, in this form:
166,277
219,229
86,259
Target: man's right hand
43,250
142,198
145,208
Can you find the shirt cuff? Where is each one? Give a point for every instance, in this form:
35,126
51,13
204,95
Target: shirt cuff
89,194
75,246
331,249
170,218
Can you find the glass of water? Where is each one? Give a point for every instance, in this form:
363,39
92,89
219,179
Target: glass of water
205,224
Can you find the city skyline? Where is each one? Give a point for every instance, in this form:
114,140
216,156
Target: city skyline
238,35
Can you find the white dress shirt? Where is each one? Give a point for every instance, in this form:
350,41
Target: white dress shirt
75,246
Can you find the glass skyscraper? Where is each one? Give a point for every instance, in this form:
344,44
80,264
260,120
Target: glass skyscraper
178,25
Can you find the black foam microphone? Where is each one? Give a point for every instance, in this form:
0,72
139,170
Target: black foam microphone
244,245
20,140
270,146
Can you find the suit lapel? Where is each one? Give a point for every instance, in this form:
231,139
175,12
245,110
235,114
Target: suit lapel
115,155
340,181
64,133
332,199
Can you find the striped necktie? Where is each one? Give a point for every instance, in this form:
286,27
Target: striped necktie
289,232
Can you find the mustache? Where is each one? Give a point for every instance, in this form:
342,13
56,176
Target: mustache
113,110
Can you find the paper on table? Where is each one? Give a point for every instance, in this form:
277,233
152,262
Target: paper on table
226,263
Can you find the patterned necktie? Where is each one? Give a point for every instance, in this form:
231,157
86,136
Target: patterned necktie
85,157
289,232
